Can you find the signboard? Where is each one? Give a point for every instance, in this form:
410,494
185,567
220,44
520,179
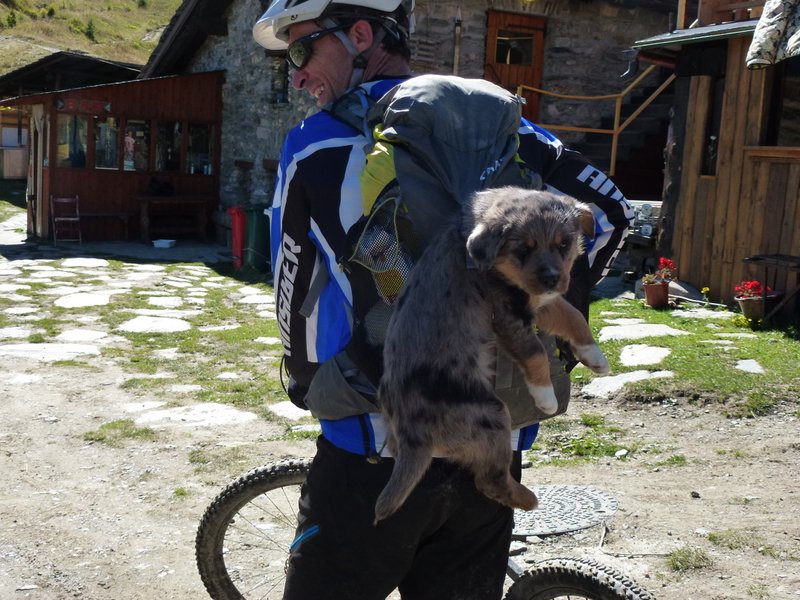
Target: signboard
82,105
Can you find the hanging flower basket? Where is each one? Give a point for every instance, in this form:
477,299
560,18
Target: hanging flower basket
656,295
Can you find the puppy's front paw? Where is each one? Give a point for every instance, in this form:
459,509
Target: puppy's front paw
593,358
544,398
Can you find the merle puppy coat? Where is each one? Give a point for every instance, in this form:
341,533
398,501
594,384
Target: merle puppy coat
436,393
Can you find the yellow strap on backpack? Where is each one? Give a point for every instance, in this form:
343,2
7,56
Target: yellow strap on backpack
378,173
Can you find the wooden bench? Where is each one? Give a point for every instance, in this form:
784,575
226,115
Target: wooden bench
123,216
158,213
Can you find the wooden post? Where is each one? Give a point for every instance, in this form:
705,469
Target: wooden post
680,23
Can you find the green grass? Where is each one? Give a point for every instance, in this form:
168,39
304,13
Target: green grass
233,460
686,558
748,540
676,460
703,373
123,30
758,590
203,355
115,433
572,441
733,539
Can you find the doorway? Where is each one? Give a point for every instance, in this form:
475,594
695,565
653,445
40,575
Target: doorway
515,55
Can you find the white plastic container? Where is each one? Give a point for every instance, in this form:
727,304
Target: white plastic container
163,243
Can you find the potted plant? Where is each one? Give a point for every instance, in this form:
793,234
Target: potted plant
750,296
656,284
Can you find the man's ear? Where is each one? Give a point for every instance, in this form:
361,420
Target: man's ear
360,33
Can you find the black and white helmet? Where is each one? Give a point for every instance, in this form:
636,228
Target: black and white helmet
271,30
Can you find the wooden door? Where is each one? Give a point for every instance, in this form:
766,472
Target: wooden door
515,54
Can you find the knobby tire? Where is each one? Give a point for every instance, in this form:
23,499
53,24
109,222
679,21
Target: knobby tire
575,578
243,539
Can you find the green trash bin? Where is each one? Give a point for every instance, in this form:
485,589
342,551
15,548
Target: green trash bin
256,253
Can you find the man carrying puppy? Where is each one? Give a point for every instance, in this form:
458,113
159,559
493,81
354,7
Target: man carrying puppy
448,541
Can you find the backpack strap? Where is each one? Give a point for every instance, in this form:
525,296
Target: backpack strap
355,108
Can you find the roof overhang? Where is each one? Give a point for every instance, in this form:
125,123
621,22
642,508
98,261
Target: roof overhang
696,35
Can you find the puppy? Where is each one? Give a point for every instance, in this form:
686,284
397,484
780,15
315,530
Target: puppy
436,392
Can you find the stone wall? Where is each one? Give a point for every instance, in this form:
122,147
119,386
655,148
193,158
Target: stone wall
584,41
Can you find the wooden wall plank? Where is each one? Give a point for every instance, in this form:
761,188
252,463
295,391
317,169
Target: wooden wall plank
735,113
751,223
691,267
703,251
699,91
790,227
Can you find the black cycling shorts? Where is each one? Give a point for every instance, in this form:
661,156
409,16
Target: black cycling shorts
447,542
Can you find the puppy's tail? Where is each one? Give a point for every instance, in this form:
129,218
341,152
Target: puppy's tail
409,467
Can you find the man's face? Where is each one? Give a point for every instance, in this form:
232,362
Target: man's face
326,76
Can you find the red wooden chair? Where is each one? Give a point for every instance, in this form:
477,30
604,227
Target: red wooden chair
65,217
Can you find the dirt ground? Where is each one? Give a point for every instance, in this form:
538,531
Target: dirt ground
87,520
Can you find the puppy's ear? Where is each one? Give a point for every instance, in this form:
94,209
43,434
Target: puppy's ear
483,244
585,219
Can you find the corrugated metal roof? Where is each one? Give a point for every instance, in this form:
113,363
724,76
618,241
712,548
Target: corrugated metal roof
695,35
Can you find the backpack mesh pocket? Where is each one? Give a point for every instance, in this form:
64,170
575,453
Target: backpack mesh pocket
379,249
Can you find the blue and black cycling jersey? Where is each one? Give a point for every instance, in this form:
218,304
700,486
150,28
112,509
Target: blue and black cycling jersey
318,199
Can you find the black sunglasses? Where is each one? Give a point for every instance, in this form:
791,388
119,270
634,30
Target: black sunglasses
299,51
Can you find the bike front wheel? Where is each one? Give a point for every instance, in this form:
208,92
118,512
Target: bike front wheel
574,579
243,540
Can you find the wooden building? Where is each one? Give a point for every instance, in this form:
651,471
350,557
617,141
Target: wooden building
119,146
732,187
56,71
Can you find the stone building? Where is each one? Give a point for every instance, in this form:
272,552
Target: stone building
571,47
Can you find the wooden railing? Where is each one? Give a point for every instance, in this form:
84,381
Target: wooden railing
619,124
711,12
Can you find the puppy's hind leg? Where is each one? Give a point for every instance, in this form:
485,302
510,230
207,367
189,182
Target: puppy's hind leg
410,464
488,455
493,477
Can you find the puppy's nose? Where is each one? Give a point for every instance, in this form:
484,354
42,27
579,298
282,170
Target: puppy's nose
548,277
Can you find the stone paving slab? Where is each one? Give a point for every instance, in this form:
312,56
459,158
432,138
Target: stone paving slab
48,352
603,387
208,414
637,331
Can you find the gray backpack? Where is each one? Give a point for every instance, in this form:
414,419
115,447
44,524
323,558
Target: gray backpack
435,141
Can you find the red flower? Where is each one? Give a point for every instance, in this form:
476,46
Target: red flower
749,289
666,264
666,271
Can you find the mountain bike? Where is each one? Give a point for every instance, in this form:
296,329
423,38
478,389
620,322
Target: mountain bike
242,547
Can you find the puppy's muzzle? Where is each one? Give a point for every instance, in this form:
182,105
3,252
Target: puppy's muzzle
548,277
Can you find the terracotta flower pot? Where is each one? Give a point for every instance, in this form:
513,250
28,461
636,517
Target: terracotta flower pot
657,294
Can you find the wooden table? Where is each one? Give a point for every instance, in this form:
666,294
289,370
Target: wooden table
174,215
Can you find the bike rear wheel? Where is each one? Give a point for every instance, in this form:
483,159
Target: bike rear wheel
243,540
574,578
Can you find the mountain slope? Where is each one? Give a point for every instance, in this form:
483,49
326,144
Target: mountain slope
123,30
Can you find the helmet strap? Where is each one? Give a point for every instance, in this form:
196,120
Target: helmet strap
359,58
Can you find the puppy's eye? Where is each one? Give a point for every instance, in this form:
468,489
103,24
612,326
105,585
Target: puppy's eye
564,247
523,252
